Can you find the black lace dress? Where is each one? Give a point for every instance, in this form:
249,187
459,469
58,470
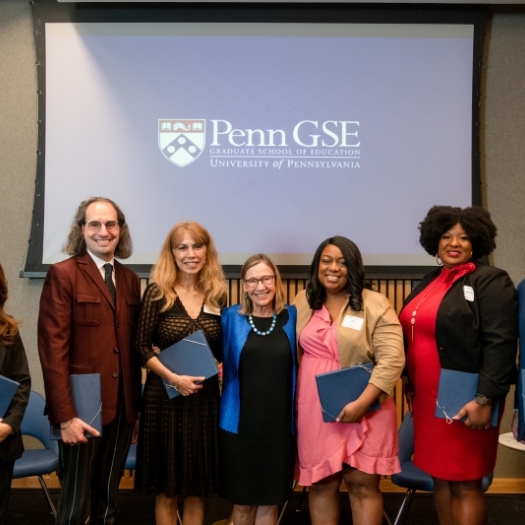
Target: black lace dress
177,452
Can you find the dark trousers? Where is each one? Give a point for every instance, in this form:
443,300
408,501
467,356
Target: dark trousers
6,475
90,475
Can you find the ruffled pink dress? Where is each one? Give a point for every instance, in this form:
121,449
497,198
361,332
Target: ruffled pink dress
369,445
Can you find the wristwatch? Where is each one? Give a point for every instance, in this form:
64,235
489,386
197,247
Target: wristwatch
483,400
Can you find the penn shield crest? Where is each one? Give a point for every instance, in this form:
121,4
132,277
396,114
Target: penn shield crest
181,141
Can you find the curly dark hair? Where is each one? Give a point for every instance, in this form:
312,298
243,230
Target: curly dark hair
315,292
76,244
475,221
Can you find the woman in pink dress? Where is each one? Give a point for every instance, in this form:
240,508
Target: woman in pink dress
462,317
342,324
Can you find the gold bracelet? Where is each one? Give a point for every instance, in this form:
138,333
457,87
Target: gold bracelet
64,428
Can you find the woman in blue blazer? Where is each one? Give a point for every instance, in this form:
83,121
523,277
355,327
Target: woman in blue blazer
257,421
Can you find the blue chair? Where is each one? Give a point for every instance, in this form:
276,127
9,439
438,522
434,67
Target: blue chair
37,462
410,477
131,460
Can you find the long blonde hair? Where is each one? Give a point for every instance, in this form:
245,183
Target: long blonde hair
278,300
211,278
8,325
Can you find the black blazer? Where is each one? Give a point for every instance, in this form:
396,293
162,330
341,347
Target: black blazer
481,335
13,364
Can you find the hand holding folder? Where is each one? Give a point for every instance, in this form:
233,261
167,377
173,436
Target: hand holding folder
8,388
340,387
456,389
87,395
191,357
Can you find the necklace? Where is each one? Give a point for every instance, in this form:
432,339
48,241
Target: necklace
258,332
423,298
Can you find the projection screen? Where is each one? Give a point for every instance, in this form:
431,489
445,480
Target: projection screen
274,135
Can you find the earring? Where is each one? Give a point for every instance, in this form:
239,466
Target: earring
439,262
246,296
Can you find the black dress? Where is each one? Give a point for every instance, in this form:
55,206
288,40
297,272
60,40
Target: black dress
257,464
177,452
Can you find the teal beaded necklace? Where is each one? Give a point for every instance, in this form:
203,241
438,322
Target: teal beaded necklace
258,332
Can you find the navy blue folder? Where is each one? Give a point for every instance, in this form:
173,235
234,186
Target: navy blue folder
8,387
522,374
340,387
189,357
455,390
87,398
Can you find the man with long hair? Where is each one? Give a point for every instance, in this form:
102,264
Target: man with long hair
86,320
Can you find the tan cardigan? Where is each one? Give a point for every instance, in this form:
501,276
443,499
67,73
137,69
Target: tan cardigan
379,340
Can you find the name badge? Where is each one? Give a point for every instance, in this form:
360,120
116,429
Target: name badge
468,291
355,323
213,310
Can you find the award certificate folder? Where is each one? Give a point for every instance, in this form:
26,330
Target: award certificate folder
87,397
340,387
8,387
189,357
455,390
522,377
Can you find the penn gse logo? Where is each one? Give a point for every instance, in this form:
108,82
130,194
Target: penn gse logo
182,141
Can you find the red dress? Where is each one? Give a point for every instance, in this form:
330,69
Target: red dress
453,451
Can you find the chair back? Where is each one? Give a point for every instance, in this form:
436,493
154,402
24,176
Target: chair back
131,460
36,424
486,482
406,438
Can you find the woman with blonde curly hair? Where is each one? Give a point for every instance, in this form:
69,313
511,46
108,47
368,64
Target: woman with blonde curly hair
178,439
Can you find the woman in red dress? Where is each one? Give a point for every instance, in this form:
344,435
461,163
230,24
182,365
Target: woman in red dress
463,316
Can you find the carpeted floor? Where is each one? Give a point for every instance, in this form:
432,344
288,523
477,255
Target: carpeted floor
29,507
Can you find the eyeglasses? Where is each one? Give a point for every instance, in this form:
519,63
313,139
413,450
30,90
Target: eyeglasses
266,280
95,226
